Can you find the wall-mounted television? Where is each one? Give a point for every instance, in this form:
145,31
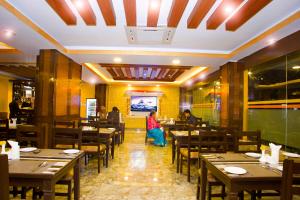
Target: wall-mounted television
143,103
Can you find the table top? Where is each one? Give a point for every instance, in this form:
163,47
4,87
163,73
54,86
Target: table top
228,157
48,163
49,154
101,130
183,133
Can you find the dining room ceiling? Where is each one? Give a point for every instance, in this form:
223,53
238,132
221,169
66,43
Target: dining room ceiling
201,32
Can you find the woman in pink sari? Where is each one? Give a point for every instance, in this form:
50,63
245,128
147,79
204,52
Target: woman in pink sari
154,130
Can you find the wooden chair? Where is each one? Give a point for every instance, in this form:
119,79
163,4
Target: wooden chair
4,180
28,135
93,144
250,139
64,124
3,129
291,169
64,137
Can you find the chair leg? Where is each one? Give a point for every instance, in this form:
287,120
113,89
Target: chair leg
188,170
99,163
223,192
23,193
209,191
181,163
70,190
198,188
241,195
86,159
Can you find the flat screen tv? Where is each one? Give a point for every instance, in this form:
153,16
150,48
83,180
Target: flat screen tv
143,103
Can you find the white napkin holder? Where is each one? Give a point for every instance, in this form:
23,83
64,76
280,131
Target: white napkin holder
3,149
14,153
274,158
12,123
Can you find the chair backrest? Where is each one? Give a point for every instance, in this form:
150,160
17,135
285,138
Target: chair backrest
64,124
86,123
180,122
147,124
4,180
291,169
181,127
212,142
248,139
92,138
67,136
28,134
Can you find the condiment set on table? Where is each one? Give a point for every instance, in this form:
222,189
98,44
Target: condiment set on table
14,153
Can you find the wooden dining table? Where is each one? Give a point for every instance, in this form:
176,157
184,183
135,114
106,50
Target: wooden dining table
108,134
43,168
258,176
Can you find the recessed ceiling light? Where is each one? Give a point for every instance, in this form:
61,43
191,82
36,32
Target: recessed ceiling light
154,4
176,62
8,33
189,82
202,76
93,81
117,60
157,85
200,88
296,67
271,41
129,85
78,4
228,9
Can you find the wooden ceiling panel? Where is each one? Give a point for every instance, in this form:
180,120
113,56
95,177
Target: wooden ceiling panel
153,13
108,12
245,13
130,12
177,9
86,12
153,73
63,11
128,72
26,72
200,10
145,72
223,11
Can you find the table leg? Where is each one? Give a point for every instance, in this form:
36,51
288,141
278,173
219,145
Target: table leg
232,196
178,154
203,180
77,180
113,146
107,153
173,149
48,190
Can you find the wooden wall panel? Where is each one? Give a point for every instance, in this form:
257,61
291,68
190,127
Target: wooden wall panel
100,94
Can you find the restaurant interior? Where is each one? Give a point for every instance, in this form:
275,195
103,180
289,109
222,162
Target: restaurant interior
150,99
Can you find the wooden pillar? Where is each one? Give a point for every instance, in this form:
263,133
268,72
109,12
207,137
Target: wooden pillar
57,92
100,95
232,95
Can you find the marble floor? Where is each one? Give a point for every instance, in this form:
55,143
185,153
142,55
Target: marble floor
138,172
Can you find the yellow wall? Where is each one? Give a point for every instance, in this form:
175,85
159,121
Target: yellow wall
168,102
87,91
6,93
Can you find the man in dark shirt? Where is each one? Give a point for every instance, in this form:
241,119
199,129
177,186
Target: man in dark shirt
113,117
190,119
14,109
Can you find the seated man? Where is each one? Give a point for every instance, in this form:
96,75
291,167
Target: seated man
190,119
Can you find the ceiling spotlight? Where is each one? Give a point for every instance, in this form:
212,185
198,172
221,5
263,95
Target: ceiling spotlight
189,82
9,33
296,67
200,88
117,60
154,4
271,41
78,4
93,81
129,85
202,76
229,9
176,62
157,85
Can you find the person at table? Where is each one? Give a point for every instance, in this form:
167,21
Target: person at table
190,119
14,110
113,117
154,130
102,112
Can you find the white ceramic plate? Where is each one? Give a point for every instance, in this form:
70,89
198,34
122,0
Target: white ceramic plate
235,170
71,151
253,155
111,128
28,149
292,155
280,168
